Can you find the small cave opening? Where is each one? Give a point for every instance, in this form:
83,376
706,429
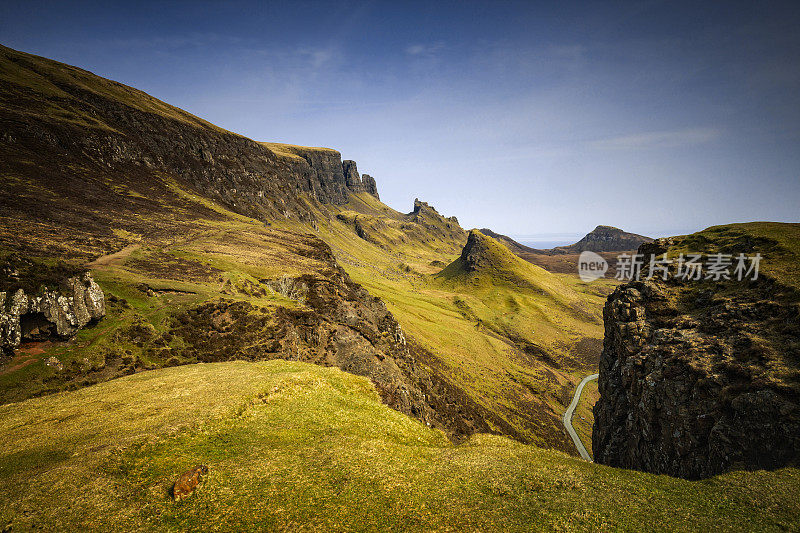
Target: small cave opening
35,327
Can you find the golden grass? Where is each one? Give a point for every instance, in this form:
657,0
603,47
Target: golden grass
296,446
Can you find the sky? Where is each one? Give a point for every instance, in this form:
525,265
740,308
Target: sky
530,118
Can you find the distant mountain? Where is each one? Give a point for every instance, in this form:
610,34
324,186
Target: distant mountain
600,239
604,239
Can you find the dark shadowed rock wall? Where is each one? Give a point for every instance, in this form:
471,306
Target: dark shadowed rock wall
698,380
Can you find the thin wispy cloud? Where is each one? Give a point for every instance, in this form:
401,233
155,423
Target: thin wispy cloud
658,139
425,50
559,113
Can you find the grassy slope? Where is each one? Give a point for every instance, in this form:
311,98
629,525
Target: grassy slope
44,76
210,259
296,446
778,243
772,329
469,336
475,331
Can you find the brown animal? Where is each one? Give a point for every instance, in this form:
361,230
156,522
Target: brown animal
188,481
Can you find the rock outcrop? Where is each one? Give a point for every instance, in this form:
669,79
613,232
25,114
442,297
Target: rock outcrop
351,176
356,182
116,138
435,225
603,239
478,253
337,323
329,178
50,313
698,379
369,185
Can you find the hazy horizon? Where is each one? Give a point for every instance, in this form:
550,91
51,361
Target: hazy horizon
530,119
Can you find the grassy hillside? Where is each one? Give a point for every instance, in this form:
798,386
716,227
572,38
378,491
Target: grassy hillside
25,78
778,243
210,220
296,446
518,351
759,318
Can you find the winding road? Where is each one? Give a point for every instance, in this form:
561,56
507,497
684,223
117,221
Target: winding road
571,410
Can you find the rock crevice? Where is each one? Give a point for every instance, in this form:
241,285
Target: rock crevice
50,313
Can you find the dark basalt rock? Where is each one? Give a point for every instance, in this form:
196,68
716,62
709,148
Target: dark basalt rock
369,185
356,182
687,382
337,323
351,176
475,253
50,313
153,149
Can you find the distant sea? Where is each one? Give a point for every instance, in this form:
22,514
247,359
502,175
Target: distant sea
544,245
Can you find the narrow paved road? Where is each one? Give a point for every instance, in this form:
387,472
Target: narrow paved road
571,410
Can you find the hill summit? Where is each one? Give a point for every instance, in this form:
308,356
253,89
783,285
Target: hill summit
605,239
484,260
484,253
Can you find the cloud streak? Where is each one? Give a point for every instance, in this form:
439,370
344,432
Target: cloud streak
658,139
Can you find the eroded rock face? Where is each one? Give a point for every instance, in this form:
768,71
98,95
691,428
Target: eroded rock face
689,381
356,182
50,313
153,149
336,323
369,185
351,176
475,252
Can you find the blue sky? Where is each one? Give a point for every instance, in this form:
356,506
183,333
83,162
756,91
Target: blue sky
528,118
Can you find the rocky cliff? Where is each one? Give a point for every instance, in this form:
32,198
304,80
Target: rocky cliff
94,141
434,224
356,182
697,378
329,178
50,313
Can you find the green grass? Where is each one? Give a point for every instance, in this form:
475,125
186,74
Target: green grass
293,151
778,243
296,446
476,328
45,77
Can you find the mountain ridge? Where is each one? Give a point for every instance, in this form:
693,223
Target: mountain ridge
235,251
